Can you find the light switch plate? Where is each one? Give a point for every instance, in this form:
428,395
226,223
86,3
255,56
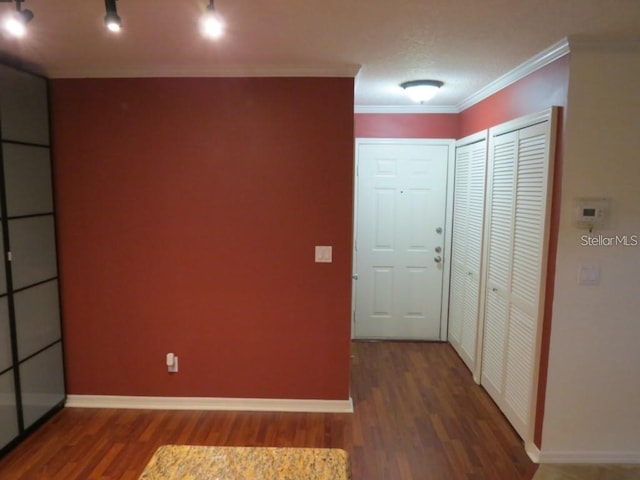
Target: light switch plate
323,254
589,274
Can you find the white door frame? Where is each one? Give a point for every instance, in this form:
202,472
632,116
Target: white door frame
446,254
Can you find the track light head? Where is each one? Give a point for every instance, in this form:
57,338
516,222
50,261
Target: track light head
111,19
27,15
113,22
16,22
212,23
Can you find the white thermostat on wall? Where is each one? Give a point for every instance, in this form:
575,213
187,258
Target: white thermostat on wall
591,212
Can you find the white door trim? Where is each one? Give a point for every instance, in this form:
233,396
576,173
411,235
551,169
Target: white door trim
450,143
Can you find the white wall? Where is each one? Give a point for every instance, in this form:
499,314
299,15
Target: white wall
592,410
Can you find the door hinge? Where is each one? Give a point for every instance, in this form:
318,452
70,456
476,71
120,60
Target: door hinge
9,256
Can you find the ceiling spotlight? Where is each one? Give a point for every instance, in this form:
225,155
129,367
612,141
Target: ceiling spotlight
16,22
111,19
421,90
212,23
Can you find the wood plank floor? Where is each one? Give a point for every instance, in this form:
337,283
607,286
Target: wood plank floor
418,415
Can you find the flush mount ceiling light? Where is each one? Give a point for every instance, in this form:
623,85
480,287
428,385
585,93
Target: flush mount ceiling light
212,23
421,90
16,22
111,19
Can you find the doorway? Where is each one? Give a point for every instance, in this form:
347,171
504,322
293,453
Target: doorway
402,238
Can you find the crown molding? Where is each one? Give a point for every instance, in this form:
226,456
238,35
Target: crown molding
535,63
390,109
346,70
542,59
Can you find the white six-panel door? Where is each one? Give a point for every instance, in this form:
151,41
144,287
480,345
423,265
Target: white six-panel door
400,239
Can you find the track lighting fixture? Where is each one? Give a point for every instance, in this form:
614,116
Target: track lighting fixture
16,22
111,19
421,90
212,23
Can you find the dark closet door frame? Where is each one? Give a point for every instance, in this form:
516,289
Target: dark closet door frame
11,292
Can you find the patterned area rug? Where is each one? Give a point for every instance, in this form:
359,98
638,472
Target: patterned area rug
588,472
186,462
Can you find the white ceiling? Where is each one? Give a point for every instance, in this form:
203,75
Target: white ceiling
465,43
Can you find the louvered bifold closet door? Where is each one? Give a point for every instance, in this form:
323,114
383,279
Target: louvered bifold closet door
475,223
468,214
529,222
459,246
502,163
520,169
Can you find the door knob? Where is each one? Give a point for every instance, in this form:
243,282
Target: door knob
438,249
437,259
439,230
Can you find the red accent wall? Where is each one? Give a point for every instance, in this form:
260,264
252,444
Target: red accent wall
544,88
399,125
188,212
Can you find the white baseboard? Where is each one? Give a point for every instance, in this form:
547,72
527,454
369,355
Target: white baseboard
533,451
590,457
210,403
582,457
